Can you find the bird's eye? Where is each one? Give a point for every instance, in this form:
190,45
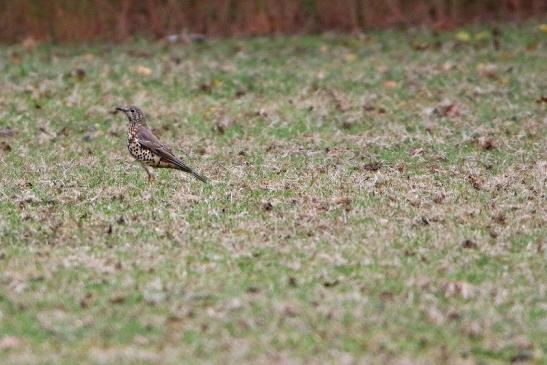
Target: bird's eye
132,110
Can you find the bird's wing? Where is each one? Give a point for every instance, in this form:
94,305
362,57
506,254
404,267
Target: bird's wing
149,140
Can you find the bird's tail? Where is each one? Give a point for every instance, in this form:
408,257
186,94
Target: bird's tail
199,177
184,167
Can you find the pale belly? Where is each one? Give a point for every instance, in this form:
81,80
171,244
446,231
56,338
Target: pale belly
141,154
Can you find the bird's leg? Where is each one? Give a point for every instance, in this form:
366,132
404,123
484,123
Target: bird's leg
151,176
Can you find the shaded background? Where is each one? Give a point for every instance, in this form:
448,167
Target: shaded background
69,20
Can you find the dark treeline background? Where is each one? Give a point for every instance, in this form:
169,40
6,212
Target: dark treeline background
69,20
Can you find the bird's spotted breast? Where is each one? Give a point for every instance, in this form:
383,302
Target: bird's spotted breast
140,153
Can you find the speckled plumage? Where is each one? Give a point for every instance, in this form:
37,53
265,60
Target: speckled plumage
147,149
140,153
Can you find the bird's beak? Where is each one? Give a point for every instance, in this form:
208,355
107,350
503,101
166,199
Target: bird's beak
121,109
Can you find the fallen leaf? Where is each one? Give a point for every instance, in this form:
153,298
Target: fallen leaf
205,87
486,143
209,86
369,108
65,131
475,181
469,244
5,147
503,80
80,74
447,108
143,70
487,70
420,46
390,84
500,219
330,283
543,28
542,99
118,298
253,289
372,166
416,152
447,66
240,93
267,206
216,82
463,36
344,201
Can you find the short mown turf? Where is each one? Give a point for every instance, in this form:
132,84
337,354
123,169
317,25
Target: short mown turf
374,199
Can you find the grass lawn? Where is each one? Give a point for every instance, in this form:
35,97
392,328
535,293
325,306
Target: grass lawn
375,199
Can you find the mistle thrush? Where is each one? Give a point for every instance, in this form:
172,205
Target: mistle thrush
147,149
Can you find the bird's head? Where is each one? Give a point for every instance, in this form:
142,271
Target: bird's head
134,114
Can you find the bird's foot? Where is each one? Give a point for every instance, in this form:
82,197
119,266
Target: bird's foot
151,178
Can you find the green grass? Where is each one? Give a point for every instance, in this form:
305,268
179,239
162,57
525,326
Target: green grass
370,202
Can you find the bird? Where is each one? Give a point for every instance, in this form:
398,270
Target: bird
147,149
